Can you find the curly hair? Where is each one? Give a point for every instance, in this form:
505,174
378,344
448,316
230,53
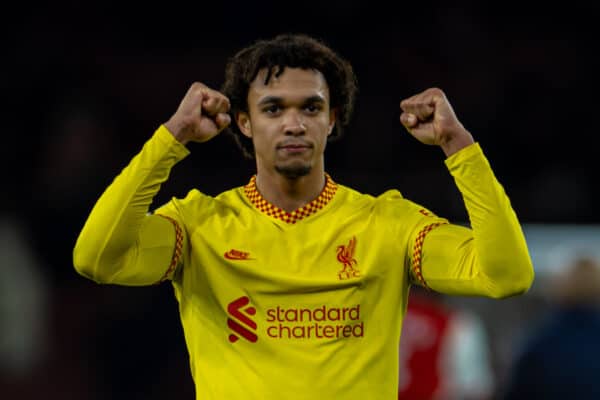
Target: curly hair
274,55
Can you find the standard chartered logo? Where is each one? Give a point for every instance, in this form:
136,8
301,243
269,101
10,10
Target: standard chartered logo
295,323
241,324
322,322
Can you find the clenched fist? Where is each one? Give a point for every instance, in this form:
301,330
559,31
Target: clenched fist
201,115
429,117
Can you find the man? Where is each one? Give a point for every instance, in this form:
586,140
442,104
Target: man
558,358
295,286
444,351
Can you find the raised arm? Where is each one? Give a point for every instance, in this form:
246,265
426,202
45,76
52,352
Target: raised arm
491,258
120,242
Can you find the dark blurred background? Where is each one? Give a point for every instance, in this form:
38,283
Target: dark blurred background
85,84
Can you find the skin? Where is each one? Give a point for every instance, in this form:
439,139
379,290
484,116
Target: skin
289,120
201,115
429,117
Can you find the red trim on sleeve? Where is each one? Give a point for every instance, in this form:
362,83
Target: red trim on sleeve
417,253
178,248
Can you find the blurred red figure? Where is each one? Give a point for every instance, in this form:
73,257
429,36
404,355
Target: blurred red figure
444,352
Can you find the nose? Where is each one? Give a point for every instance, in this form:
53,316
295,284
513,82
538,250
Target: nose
293,124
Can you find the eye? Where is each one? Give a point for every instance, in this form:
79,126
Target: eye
271,109
313,108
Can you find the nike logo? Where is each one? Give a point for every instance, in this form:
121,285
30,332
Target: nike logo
237,255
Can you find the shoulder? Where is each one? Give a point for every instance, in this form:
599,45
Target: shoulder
389,207
352,195
393,203
196,202
192,199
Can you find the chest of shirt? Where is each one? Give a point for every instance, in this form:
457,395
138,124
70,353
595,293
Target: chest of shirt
321,282
306,255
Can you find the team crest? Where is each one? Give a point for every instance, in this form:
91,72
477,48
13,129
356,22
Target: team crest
345,255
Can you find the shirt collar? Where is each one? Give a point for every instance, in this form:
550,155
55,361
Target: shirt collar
307,210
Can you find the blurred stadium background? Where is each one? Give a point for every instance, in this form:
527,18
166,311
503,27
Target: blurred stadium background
85,84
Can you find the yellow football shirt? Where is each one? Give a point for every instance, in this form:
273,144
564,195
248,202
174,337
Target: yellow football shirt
298,305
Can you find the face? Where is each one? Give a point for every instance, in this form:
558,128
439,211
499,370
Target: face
288,121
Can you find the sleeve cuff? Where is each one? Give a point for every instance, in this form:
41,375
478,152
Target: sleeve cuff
464,154
163,135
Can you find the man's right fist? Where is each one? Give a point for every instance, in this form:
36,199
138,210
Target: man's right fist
201,115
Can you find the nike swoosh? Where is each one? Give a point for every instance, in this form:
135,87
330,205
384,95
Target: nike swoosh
237,255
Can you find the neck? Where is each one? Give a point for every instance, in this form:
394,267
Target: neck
290,194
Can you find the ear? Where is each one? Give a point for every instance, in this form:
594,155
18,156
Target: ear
242,119
332,118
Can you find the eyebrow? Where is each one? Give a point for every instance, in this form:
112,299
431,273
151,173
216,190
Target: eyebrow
279,100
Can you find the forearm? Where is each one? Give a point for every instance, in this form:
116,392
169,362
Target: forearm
115,233
491,258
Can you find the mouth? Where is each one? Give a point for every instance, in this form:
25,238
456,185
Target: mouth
294,147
